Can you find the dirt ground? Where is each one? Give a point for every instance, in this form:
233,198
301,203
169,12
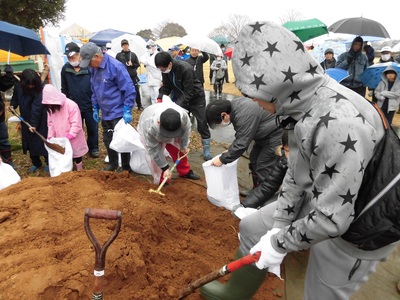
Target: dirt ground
164,242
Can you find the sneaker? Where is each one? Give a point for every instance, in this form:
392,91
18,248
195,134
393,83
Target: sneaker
191,175
94,154
33,169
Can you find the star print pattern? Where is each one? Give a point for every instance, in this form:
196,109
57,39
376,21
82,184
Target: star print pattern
328,144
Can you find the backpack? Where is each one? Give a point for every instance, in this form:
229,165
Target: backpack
377,208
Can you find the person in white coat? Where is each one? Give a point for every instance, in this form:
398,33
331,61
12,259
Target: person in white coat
153,74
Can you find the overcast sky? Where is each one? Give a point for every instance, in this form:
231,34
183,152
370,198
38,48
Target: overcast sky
201,17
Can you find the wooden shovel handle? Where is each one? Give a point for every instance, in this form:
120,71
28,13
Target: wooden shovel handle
107,214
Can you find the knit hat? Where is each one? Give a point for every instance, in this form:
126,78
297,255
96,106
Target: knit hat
329,50
124,41
71,49
170,123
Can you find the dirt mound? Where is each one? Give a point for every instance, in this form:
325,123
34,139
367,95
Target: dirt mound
164,242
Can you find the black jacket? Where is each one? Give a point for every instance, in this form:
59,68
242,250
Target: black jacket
197,64
188,90
124,57
260,195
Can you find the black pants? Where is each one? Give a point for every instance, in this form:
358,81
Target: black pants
198,109
138,99
108,132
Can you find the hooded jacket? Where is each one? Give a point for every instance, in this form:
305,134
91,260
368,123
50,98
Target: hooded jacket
149,130
359,64
334,137
382,90
65,121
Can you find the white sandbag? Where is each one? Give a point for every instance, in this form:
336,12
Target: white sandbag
8,175
139,162
60,163
222,184
125,138
242,212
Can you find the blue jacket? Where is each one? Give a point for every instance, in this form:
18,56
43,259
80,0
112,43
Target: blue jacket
112,88
76,86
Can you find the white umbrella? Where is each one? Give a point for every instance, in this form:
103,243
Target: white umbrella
136,44
202,43
319,51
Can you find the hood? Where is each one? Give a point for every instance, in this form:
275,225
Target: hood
52,96
389,68
271,64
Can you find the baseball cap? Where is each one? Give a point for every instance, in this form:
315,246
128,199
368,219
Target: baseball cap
386,49
329,50
170,123
124,41
88,50
173,48
108,45
71,49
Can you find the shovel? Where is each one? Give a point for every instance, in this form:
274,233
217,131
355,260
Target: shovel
229,268
52,146
158,191
100,258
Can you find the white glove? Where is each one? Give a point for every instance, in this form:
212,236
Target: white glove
270,258
382,97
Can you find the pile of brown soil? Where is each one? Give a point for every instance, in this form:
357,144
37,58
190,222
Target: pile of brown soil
164,242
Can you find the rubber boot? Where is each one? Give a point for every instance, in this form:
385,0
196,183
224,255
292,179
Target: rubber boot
112,160
79,166
206,149
6,157
125,166
242,284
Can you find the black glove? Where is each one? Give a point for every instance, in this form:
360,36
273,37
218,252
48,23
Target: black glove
9,70
350,59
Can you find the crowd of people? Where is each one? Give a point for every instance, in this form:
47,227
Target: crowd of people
310,137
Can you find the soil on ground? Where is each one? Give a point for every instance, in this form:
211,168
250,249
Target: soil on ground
164,242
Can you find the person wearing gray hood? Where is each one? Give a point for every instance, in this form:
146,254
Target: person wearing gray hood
387,92
334,132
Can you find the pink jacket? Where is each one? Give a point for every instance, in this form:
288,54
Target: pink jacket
66,121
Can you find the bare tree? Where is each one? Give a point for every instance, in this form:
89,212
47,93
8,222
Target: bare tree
232,28
291,15
167,29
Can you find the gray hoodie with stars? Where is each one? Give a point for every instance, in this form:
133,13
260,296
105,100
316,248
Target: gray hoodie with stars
333,140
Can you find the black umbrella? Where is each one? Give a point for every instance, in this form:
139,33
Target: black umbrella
20,40
359,26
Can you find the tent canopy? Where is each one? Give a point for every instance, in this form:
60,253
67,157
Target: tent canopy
101,38
75,31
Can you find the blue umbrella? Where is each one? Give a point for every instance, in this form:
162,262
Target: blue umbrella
20,40
373,74
337,74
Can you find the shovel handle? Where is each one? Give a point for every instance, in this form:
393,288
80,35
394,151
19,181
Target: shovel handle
105,214
229,268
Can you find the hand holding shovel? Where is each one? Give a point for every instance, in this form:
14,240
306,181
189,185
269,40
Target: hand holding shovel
52,146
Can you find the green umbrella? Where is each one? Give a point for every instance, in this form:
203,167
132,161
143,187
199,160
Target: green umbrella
220,39
306,29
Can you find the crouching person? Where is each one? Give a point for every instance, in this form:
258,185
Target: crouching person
166,126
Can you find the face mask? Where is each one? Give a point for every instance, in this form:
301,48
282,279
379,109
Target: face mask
150,51
223,124
167,71
74,63
385,57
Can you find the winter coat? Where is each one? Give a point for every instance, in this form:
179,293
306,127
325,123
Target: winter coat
112,88
250,122
197,64
32,111
149,129
153,74
325,64
333,139
76,86
183,81
358,66
269,186
124,57
382,90
66,121
6,82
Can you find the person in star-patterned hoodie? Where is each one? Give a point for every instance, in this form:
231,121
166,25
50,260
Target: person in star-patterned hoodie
334,133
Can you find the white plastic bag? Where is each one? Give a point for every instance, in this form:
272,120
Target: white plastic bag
60,163
125,138
8,175
139,162
222,184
